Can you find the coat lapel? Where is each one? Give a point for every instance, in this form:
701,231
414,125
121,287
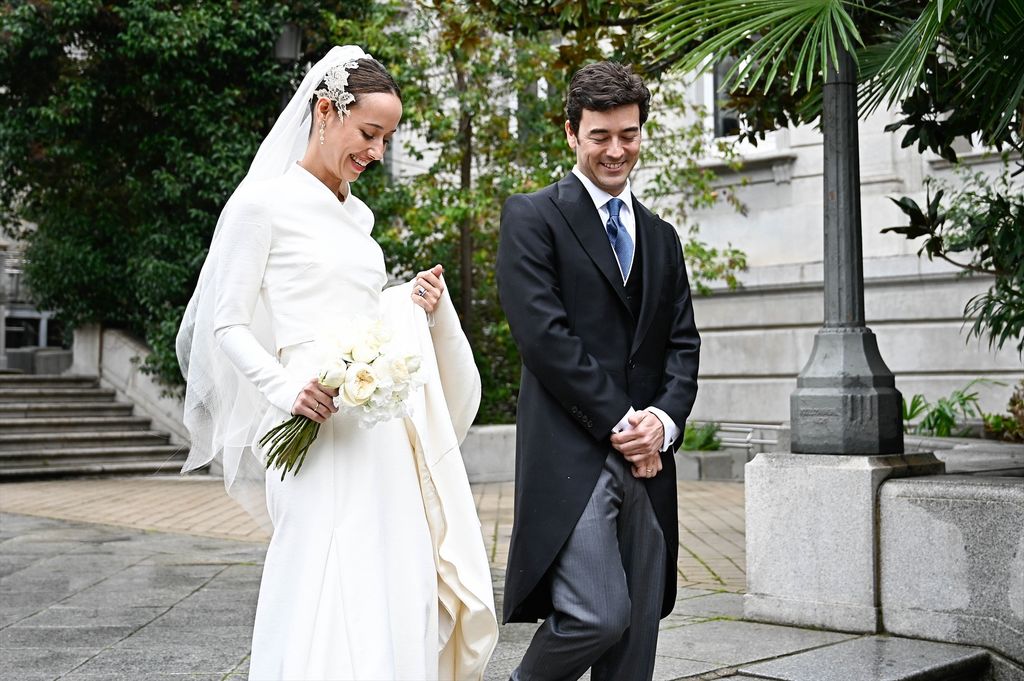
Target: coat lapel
578,209
653,271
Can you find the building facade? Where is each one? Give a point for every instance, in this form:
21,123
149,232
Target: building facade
758,338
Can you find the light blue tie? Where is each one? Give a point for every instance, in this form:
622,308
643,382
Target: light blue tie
619,237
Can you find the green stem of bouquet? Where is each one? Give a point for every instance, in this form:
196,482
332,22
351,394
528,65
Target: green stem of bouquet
288,443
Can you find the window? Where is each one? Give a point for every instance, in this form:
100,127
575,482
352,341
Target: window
727,121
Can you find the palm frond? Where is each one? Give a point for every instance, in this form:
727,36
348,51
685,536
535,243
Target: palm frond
980,39
693,34
902,69
995,70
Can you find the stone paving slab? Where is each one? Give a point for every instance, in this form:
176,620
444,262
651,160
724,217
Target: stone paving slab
124,579
875,658
121,604
728,643
87,601
711,518
102,602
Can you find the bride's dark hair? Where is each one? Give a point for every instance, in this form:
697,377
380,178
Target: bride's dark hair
369,77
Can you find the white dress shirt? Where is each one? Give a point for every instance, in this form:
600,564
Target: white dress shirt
600,198
626,218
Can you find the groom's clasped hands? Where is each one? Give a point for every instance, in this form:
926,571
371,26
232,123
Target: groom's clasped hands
641,444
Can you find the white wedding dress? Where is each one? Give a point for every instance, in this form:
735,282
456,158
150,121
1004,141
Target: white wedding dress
350,584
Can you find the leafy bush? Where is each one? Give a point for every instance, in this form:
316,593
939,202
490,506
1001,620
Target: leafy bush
126,126
947,416
981,232
1009,426
701,438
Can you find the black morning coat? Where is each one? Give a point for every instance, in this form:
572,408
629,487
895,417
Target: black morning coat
586,359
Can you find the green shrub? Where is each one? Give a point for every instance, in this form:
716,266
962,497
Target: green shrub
947,416
703,437
1009,426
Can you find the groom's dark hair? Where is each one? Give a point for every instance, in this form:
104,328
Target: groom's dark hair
602,86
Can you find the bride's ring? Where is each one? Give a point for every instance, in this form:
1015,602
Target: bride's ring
316,408
649,469
421,292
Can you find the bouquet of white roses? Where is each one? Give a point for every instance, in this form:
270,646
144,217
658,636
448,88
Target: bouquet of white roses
374,378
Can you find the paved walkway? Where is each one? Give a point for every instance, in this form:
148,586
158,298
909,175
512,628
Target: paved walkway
157,579
711,550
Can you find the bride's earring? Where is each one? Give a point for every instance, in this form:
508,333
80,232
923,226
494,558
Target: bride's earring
323,126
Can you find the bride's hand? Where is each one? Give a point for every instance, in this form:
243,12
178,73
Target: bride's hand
315,402
427,288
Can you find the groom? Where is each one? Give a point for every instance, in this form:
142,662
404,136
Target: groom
598,301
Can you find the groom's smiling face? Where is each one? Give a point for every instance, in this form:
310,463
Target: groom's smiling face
607,145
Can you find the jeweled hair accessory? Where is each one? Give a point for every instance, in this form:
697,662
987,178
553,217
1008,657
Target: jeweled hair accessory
335,84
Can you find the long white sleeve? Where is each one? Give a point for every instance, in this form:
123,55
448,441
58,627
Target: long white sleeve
257,365
244,246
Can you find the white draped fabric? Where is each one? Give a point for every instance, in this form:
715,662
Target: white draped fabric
376,567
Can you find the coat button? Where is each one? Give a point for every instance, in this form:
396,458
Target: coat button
632,365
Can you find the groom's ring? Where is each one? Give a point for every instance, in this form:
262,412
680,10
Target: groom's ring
649,469
316,408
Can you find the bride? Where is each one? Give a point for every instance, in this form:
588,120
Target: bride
376,567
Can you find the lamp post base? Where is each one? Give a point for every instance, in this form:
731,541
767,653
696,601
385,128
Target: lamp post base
846,400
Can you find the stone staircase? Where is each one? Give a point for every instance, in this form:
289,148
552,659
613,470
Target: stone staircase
68,425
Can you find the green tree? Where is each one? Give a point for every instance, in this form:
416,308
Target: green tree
952,68
484,112
127,124
930,59
130,122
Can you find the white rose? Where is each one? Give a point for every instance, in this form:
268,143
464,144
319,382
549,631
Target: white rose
339,346
334,375
382,368
412,363
360,382
399,369
365,351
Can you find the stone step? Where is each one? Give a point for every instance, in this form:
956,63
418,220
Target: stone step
47,381
25,395
63,409
19,442
877,657
91,456
64,423
58,469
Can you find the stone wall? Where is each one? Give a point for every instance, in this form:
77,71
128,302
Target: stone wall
757,339
952,560
116,359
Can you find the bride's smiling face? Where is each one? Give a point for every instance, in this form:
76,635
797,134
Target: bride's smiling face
354,142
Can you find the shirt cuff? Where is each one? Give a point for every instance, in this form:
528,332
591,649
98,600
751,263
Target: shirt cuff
671,429
624,423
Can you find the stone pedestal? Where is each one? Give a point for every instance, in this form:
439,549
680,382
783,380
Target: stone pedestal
87,350
813,537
